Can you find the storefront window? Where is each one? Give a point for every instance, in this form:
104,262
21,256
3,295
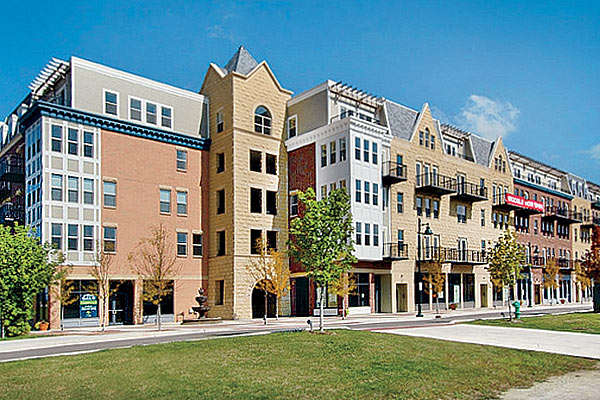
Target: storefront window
361,296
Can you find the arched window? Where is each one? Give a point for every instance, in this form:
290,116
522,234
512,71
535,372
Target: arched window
262,120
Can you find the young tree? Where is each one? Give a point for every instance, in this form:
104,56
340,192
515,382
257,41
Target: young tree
591,264
551,276
343,286
436,279
582,279
63,290
154,259
102,271
321,239
269,272
506,261
26,268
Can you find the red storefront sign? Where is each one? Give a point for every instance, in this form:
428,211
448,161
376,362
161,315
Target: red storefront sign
524,203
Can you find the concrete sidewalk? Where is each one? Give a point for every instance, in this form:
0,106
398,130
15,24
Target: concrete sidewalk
567,343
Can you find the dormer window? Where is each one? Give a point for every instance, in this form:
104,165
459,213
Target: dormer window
262,121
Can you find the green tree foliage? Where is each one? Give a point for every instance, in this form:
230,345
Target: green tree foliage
155,261
506,260
26,268
591,264
321,240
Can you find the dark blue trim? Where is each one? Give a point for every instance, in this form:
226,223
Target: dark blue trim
42,108
544,189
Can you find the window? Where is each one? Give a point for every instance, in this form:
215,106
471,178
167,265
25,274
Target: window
400,202
262,121
374,151
332,153
220,123
323,155
293,205
358,233
165,201
400,236
291,126
426,137
88,238
110,239
255,161
342,149
427,207
271,202
220,162
419,206
323,191
72,237
271,164
57,236
357,148
221,243
182,243
111,103
151,113
110,194
182,160
367,234
57,187
367,192
436,209
135,109
358,193
88,191
166,117
272,240
219,292
421,138
73,141
375,194
88,144
73,190
461,213
366,150
197,245
57,138
255,236
432,142
182,200
375,235
255,200
221,201
482,217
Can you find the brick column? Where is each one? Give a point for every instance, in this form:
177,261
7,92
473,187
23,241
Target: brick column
138,301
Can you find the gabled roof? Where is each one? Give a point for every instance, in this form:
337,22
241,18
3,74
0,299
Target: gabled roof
242,62
482,150
400,119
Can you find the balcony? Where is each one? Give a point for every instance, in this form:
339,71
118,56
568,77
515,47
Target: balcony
587,222
10,212
435,184
562,214
539,261
596,205
536,261
470,192
521,205
455,256
392,172
11,170
395,251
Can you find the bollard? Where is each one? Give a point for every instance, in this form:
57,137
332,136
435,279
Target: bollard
310,324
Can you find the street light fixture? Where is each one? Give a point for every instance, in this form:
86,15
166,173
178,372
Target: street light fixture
428,232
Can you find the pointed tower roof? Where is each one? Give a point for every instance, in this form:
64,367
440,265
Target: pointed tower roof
242,62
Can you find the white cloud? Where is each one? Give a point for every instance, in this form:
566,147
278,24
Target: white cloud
488,118
595,152
218,32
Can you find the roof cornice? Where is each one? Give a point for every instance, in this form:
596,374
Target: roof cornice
542,188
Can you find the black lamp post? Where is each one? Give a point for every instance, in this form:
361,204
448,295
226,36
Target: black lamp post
427,232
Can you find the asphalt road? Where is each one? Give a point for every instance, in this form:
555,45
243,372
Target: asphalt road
77,348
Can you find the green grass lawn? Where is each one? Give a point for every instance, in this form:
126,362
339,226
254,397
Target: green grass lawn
576,322
300,365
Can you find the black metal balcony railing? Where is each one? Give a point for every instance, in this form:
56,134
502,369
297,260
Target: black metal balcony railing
10,212
554,212
454,255
470,192
540,261
433,183
596,205
393,172
395,251
12,170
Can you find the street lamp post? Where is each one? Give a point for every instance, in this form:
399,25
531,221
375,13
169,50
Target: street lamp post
427,232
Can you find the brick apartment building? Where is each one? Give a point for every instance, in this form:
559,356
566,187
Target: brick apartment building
95,156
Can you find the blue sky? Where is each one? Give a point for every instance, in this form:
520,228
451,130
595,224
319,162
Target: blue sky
529,71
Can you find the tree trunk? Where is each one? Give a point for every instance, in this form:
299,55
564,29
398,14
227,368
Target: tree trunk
266,306
509,307
277,309
321,311
158,317
62,317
